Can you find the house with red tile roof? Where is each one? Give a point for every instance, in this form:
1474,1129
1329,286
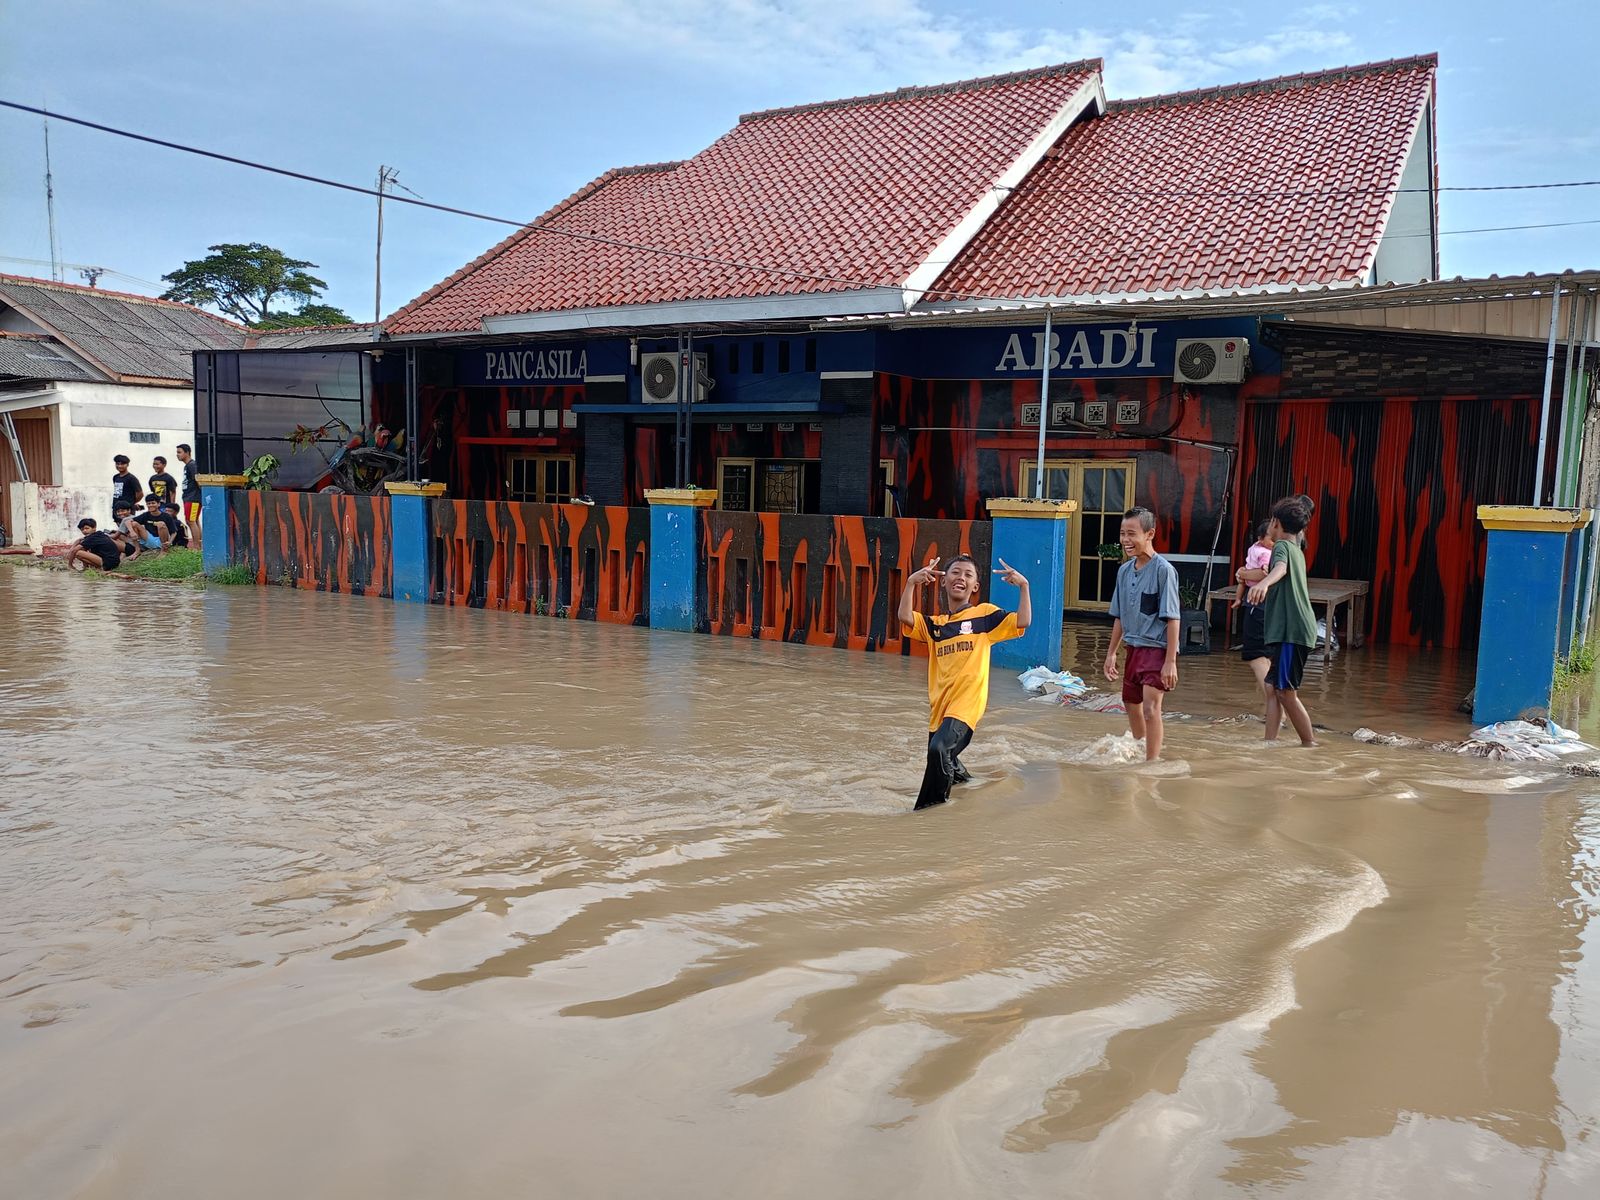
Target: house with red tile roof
1027,185
907,304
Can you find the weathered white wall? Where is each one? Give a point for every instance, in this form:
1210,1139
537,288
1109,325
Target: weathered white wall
93,422
49,516
1405,255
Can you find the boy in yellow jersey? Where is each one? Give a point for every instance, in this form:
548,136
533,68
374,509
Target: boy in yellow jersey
958,662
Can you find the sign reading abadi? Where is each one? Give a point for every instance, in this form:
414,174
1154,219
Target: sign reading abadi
1087,349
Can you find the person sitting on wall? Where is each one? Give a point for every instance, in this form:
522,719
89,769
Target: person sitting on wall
154,524
958,662
175,526
93,548
132,538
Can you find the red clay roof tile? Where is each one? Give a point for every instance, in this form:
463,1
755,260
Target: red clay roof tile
1286,181
818,198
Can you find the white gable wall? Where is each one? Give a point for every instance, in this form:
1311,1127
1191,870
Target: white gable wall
1405,255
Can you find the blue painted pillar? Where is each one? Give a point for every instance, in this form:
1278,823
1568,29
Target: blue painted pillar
216,536
675,567
1031,535
1523,585
411,525
1571,581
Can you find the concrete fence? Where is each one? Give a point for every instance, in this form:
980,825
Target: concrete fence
48,516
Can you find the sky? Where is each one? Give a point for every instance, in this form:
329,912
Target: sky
506,106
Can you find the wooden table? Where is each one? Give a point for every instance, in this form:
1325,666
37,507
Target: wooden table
1329,594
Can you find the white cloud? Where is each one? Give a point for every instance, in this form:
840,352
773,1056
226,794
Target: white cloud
814,49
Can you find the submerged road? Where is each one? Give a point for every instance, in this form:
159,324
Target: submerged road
305,895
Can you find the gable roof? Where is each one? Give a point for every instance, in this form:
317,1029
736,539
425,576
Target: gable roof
37,356
821,198
1284,182
125,336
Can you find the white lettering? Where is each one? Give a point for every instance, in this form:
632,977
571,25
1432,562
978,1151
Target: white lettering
1080,351
1012,359
1038,352
1147,343
1110,360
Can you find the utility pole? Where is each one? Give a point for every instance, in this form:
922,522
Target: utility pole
92,274
386,176
50,207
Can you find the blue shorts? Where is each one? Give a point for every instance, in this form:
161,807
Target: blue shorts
1288,661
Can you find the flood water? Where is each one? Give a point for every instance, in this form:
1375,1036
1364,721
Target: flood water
304,895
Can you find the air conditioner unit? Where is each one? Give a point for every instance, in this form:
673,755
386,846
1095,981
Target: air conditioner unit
658,378
1211,360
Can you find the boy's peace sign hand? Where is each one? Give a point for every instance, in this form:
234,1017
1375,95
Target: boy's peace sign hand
1011,575
925,576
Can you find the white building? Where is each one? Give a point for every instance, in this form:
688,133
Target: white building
87,374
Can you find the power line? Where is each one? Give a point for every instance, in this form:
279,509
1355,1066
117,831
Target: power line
737,264
529,226
72,266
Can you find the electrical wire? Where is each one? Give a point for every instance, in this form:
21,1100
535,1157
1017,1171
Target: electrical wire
738,264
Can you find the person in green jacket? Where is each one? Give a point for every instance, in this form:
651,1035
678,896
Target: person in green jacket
1290,625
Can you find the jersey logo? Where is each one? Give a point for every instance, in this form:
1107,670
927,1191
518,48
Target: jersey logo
939,628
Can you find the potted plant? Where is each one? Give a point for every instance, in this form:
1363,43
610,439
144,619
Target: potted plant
259,474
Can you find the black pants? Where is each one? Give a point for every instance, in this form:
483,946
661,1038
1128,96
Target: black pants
944,744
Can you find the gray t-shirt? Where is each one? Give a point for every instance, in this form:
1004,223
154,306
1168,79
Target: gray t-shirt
1145,600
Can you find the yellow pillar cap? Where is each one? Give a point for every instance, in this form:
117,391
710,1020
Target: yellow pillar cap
1022,506
1528,519
693,497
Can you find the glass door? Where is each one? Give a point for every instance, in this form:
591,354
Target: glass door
539,478
1103,489
735,484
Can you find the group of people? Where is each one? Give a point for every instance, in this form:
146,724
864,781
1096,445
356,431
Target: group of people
1280,631
143,522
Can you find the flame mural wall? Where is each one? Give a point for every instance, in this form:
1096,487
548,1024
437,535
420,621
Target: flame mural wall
573,560
326,543
1397,483
825,581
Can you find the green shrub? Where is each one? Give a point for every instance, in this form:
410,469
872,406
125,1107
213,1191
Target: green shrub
174,564
1578,664
233,575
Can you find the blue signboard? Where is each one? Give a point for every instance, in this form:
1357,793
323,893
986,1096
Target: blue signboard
1112,351
527,364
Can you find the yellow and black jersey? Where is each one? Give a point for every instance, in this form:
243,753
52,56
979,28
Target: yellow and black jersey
958,659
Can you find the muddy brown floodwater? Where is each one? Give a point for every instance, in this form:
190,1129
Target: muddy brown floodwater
311,896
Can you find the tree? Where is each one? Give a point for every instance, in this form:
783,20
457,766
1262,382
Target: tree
311,314
242,281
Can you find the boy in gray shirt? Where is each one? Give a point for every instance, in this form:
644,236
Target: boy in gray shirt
1145,608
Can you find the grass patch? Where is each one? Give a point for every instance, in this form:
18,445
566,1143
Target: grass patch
1579,665
232,575
174,564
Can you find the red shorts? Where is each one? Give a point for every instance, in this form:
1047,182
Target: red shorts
1141,670
191,511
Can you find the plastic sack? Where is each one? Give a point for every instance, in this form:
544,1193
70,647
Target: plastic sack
1052,683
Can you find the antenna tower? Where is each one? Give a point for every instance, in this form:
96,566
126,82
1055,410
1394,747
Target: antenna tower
50,207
